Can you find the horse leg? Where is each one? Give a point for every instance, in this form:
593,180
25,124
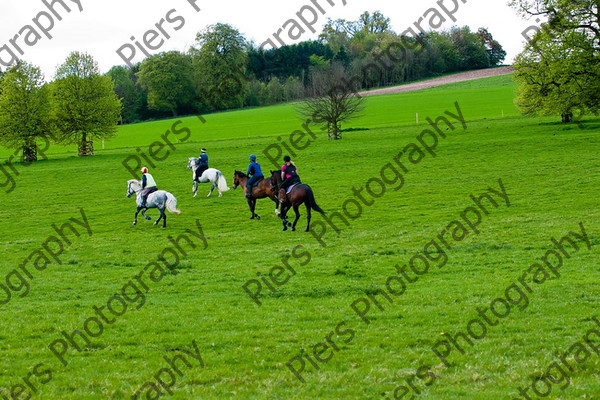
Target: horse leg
211,189
144,214
136,215
252,205
308,215
162,216
195,188
297,211
255,215
277,205
283,216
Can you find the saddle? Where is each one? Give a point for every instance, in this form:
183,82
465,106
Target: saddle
255,184
289,189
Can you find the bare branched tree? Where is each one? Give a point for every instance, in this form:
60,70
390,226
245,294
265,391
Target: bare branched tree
334,99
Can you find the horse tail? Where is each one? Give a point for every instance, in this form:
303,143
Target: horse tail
311,200
222,183
172,204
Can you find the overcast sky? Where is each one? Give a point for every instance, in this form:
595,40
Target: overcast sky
104,26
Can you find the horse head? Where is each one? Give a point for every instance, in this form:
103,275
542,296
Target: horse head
192,162
275,180
131,189
237,178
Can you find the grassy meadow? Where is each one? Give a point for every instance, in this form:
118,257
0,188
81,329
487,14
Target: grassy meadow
551,173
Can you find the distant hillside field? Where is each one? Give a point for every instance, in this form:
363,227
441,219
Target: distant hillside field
343,314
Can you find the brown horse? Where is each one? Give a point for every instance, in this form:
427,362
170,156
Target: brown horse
299,194
266,188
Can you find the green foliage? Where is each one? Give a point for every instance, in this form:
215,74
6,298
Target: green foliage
495,51
220,60
84,103
168,79
473,54
24,109
559,70
128,92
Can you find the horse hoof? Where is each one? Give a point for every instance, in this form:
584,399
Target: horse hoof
258,217
148,218
134,224
285,228
293,229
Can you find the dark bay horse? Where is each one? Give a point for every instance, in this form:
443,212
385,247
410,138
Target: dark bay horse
300,193
268,187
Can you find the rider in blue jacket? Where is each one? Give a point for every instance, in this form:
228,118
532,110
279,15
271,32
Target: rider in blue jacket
202,164
255,173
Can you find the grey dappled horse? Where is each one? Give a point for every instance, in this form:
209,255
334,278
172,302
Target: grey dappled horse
159,199
214,176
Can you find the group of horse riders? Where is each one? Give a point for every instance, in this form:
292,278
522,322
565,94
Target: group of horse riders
289,176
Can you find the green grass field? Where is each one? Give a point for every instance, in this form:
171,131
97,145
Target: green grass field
551,176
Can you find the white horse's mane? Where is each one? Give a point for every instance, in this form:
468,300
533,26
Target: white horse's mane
139,183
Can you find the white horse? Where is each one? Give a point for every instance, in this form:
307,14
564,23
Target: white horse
159,199
214,176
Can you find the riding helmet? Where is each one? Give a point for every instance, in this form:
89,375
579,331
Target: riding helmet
287,159
203,150
144,170
252,157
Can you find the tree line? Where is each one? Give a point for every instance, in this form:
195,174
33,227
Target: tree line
221,71
224,71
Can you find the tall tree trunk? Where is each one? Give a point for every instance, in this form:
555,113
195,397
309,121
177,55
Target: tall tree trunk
567,118
29,150
85,147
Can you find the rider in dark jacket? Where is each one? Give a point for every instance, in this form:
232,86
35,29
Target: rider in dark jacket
289,175
255,173
202,164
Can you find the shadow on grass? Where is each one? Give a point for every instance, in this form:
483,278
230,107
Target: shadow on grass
355,129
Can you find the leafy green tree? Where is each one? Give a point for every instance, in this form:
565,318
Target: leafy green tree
84,103
473,54
559,70
168,79
24,109
374,23
495,51
343,57
445,57
220,60
275,91
129,93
